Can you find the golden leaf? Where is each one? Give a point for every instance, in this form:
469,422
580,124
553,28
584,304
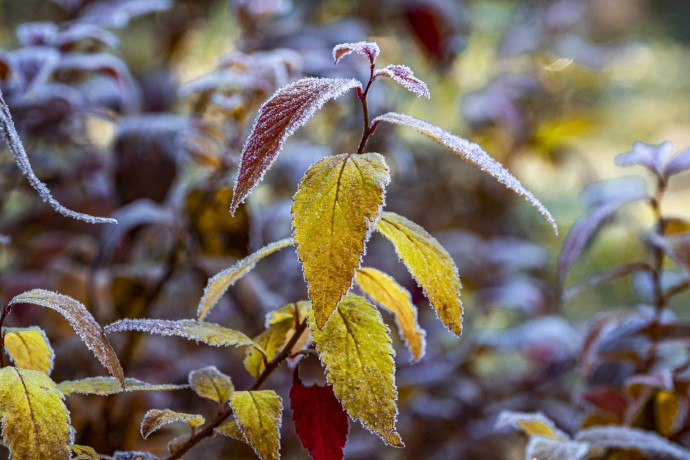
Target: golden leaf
157,418
259,416
429,264
670,412
35,421
356,349
211,383
230,429
220,283
104,386
385,291
336,204
29,349
84,453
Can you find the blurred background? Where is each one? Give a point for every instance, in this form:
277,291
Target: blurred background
138,109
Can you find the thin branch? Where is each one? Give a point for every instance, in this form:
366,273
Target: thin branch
365,109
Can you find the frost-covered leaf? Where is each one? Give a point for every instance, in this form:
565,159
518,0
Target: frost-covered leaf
230,429
429,263
154,419
542,448
84,453
403,75
220,283
29,348
531,423
14,143
104,386
133,455
470,152
670,412
385,291
259,416
35,421
623,437
320,420
78,33
369,50
118,13
336,204
271,341
199,331
652,157
83,323
288,109
356,349
679,163
211,383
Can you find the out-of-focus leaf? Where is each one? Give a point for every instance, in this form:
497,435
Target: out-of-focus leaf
652,157
259,416
385,291
84,453
133,455
356,349
542,448
104,386
470,152
320,420
35,421
78,33
369,50
678,249
603,278
29,348
118,13
429,264
211,383
220,283
403,75
621,190
83,323
157,418
623,437
230,429
37,33
334,209
670,412
288,109
679,163
531,423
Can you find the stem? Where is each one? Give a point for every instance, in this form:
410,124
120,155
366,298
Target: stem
365,109
5,312
272,365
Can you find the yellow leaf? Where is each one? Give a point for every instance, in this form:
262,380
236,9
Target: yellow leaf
104,386
531,423
356,349
35,421
384,290
259,415
84,453
670,412
230,429
29,349
157,418
336,204
211,383
220,283
429,264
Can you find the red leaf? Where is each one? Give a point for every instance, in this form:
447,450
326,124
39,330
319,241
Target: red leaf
404,76
369,50
288,109
320,420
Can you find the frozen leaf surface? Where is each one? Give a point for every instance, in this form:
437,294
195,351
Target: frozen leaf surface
84,453
543,448
470,152
259,416
369,50
288,109
29,348
336,204
403,75
386,292
623,437
355,347
81,321
429,263
212,384
230,429
271,341
157,418
104,386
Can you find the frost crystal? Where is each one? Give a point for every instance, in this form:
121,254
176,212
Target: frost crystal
369,50
403,75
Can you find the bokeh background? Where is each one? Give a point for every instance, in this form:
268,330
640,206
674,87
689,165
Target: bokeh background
138,109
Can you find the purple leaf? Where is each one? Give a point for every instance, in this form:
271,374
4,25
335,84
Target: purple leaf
632,438
403,75
118,13
369,50
80,32
679,163
37,33
652,157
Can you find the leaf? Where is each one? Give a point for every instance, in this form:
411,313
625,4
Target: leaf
531,423
369,50
623,437
471,152
555,449
220,283
84,453
81,321
356,349
230,429
653,157
212,384
157,418
29,349
385,291
429,264
104,386
320,420
336,204
678,249
133,455
35,421
403,75
670,412
258,415
279,117
199,331
679,163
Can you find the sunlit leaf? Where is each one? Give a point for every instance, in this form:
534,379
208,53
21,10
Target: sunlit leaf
220,283
369,50
429,263
470,152
157,418
670,412
104,386
35,421
336,204
84,453
230,429
385,291
29,349
259,416
403,75
623,437
211,383
320,421
83,323
356,349
288,109
531,423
